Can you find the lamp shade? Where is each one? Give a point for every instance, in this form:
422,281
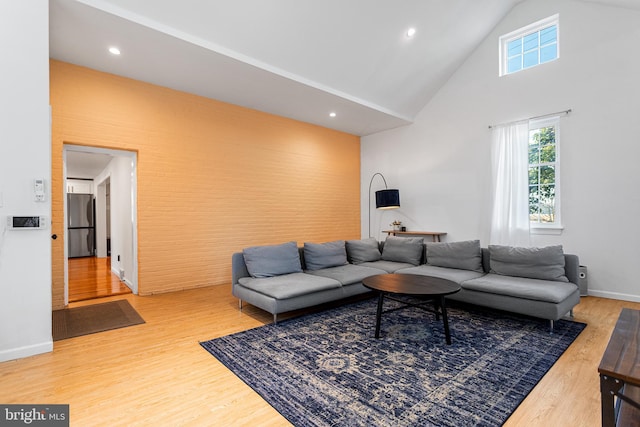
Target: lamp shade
387,199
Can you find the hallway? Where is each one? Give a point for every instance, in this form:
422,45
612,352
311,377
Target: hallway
91,277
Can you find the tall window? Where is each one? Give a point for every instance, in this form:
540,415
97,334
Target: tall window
544,173
529,46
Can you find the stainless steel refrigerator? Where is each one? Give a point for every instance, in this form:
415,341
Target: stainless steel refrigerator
81,228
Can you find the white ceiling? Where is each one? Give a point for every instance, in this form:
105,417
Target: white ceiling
300,59
86,165
296,58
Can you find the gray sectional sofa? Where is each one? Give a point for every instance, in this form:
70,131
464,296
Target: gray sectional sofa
539,282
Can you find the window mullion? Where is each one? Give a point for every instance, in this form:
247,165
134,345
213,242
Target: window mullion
507,57
539,46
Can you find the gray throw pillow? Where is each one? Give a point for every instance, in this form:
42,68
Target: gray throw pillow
272,260
324,255
365,250
465,255
403,249
535,263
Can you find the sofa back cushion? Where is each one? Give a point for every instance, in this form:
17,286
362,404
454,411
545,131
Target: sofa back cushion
365,250
545,263
272,260
403,249
466,255
324,255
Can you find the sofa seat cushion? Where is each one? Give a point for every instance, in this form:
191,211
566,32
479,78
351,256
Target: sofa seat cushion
521,287
453,274
347,274
387,266
289,285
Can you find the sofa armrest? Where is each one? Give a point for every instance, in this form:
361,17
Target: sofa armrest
572,268
238,267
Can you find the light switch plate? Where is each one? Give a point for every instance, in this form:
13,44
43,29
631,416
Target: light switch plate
38,189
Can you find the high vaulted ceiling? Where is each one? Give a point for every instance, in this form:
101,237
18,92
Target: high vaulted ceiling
296,58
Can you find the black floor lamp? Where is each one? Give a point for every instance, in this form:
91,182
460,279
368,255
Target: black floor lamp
385,199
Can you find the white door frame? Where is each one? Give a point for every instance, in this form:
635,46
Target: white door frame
133,281
101,216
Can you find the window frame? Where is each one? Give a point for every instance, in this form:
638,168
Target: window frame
555,227
521,33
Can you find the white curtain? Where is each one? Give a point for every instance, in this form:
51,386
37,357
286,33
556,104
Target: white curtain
510,162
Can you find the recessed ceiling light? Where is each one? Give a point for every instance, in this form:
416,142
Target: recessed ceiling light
332,114
114,50
411,32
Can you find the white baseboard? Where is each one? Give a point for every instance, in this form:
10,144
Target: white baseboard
125,281
614,295
26,351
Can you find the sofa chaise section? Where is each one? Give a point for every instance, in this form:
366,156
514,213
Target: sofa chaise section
319,273
531,297
538,282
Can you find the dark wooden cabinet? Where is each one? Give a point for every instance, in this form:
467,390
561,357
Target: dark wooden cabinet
620,373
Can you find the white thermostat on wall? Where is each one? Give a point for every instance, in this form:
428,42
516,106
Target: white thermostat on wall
26,222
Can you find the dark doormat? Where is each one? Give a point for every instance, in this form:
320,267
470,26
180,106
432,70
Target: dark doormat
89,319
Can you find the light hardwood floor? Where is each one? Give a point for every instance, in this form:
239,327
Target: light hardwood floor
157,374
91,277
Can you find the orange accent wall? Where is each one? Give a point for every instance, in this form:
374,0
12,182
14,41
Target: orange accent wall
213,178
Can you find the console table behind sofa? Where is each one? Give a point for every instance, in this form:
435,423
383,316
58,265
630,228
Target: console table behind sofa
435,235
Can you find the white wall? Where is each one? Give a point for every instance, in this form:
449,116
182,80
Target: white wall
441,162
25,154
121,171
100,188
121,219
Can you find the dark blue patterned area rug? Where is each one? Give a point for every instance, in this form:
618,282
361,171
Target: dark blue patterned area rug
327,369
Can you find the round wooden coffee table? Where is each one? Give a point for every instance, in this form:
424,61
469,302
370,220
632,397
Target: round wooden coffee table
426,287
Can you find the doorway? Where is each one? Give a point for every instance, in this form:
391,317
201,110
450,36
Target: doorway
91,277
109,176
